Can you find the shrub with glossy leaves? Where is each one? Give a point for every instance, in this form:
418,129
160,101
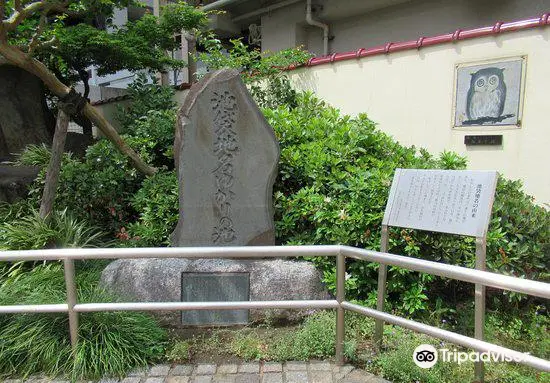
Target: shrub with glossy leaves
263,72
334,178
157,204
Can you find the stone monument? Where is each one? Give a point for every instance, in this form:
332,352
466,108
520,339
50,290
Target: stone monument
226,157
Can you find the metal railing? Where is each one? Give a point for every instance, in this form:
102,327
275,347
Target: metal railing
72,307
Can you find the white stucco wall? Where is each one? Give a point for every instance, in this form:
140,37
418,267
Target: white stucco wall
410,95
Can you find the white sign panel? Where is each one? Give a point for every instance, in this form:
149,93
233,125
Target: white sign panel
447,201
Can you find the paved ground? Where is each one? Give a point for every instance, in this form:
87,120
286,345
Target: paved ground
289,372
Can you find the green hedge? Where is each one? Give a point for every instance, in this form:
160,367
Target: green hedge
334,178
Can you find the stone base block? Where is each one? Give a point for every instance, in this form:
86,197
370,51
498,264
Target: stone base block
159,280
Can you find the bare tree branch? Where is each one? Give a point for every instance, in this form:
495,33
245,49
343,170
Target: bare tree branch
47,44
20,59
18,16
18,5
35,38
3,36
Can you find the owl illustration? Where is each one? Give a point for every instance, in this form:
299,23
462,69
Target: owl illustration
487,94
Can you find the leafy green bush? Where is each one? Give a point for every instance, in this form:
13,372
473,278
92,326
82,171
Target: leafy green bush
263,72
334,177
153,133
157,202
101,186
149,121
145,97
97,188
109,343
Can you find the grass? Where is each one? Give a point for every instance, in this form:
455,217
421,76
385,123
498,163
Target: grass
110,344
59,230
314,339
34,155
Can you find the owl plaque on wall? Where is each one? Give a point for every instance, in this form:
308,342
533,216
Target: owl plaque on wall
489,94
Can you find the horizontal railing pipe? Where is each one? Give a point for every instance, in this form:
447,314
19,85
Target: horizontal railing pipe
171,252
175,306
23,309
525,286
452,337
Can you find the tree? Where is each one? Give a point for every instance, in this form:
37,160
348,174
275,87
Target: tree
57,39
263,72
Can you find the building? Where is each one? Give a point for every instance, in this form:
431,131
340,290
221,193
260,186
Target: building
353,24
121,79
410,65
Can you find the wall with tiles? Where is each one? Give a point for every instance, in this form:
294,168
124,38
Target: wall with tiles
410,95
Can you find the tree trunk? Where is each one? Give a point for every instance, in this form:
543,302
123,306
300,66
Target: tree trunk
191,61
21,92
20,59
54,167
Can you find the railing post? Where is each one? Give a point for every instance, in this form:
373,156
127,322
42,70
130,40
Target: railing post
340,297
479,330
71,301
382,275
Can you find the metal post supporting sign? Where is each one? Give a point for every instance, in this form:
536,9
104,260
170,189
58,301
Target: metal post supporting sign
446,201
479,322
382,275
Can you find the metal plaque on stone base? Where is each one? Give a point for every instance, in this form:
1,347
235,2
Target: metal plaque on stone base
214,287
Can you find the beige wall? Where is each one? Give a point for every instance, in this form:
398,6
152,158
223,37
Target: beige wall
285,28
410,94
406,20
109,112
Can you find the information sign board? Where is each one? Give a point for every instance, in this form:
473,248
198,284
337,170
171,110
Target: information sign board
447,201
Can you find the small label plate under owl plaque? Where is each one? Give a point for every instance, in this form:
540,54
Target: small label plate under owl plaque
214,287
483,140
